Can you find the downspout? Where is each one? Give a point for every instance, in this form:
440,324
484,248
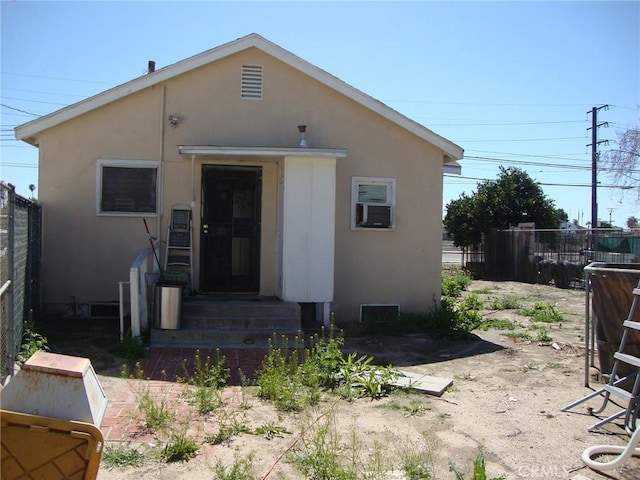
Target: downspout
193,181
162,162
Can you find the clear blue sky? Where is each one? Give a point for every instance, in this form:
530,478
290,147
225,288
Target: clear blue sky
510,82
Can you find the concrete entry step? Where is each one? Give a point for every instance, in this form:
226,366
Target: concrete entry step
217,321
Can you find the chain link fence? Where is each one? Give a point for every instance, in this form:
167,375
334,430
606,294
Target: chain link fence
20,260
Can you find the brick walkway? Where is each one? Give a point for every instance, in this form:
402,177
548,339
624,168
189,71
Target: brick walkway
122,420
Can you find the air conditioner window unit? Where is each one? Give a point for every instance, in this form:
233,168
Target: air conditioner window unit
373,215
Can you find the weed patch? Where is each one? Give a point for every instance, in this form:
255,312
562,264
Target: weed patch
241,469
32,342
454,283
508,302
230,426
181,448
132,348
543,312
479,470
121,456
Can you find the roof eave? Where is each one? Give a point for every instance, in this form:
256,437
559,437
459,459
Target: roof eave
137,84
34,127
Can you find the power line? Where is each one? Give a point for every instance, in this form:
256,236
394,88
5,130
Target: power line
523,140
18,110
45,93
56,78
557,156
19,165
522,162
502,124
580,105
35,101
581,185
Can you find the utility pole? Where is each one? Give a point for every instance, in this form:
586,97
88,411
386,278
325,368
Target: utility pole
594,160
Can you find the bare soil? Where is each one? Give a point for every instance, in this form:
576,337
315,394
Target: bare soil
506,401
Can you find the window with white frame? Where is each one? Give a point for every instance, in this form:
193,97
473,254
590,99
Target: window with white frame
127,187
373,201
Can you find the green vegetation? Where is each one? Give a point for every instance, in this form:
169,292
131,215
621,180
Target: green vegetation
508,302
180,448
32,342
454,283
132,347
542,335
415,409
293,379
241,469
511,199
515,336
229,426
206,378
497,324
479,470
323,454
543,312
157,416
121,456
271,430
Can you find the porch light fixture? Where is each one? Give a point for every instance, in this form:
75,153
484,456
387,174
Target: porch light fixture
174,120
303,135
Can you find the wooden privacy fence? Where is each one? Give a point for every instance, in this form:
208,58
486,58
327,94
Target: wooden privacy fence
555,257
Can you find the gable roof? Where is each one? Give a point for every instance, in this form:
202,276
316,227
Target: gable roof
29,131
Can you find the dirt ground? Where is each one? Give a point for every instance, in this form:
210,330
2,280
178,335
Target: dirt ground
505,400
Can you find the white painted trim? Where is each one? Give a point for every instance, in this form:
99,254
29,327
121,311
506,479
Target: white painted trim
29,131
270,152
100,163
452,169
390,182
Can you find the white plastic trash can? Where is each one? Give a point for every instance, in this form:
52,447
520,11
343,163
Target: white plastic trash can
168,306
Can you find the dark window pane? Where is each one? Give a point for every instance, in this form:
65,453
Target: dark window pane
128,190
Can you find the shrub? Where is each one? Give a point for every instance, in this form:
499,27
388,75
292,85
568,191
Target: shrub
32,342
453,284
280,381
508,302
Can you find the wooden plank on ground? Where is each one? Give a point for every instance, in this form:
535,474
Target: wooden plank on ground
423,383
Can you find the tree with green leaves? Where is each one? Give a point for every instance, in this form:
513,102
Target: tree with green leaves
562,215
511,199
463,223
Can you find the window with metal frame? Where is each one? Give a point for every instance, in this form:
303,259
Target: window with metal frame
127,187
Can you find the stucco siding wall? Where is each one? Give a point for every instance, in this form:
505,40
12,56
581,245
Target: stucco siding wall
86,255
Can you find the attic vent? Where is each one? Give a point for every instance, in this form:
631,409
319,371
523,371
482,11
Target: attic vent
252,81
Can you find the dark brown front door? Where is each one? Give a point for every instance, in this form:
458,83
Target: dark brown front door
230,229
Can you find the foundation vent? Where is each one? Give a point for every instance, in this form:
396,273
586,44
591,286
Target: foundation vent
376,313
251,82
